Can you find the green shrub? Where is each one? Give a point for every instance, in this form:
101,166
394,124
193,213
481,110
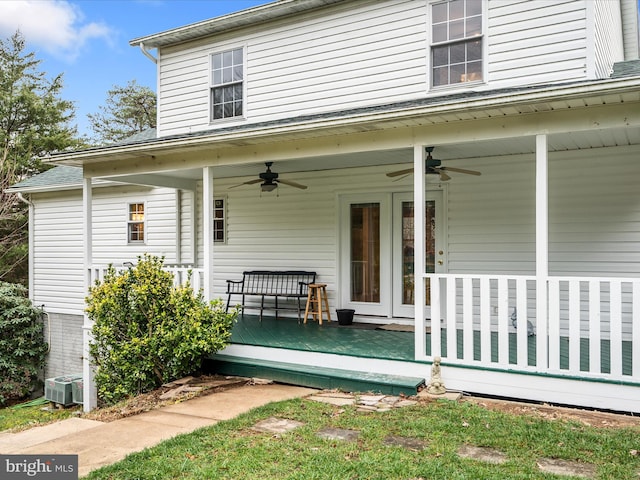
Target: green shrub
22,345
147,332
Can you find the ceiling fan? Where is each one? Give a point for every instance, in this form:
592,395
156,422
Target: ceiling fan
270,181
433,168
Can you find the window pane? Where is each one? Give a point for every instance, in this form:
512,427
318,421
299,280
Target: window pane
440,76
217,60
456,9
474,71
474,7
227,59
365,252
217,111
237,56
474,26
456,30
440,56
439,33
217,77
237,92
217,95
237,108
227,74
457,53
457,73
474,51
237,73
228,110
439,12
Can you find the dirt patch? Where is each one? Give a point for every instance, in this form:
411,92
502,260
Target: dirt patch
548,412
168,394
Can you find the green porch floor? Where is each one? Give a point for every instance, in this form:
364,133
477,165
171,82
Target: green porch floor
366,341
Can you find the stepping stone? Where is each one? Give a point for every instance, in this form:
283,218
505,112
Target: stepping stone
409,443
339,434
567,467
276,425
483,454
338,401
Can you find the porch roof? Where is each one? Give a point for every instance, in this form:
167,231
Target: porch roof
431,110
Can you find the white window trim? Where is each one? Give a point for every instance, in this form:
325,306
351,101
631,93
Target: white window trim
244,115
485,52
144,223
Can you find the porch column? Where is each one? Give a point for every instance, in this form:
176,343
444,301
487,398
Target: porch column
89,390
207,223
542,251
419,266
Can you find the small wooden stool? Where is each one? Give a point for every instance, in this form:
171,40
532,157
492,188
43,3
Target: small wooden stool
317,302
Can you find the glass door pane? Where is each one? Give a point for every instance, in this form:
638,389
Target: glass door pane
365,252
408,246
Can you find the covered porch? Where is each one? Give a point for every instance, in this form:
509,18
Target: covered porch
547,236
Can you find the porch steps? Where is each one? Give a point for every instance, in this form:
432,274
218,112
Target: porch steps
314,376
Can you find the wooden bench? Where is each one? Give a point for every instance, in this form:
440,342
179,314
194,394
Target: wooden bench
277,284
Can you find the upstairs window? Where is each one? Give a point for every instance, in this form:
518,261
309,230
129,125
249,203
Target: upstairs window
227,75
456,42
135,223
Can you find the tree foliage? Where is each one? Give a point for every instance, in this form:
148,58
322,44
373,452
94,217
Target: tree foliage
34,122
22,345
128,110
147,332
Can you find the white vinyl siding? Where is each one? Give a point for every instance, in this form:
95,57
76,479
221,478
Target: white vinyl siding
367,53
58,239
630,26
342,57
58,279
609,47
536,41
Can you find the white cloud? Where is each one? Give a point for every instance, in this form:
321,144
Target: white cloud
56,26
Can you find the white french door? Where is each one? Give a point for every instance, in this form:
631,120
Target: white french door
377,251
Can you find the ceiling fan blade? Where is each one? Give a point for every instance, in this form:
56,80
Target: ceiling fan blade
400,172
292,184
460,170
250,182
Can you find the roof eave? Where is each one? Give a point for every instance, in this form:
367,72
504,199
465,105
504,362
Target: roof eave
232,21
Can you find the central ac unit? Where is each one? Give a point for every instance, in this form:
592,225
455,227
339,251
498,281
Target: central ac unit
60,389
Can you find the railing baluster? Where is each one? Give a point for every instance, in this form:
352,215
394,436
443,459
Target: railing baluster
594,326
615,327
574,326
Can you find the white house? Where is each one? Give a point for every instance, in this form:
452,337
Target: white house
540,97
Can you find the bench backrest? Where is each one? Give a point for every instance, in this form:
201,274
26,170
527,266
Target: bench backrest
288,282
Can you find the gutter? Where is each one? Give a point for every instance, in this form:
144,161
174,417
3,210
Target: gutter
147,54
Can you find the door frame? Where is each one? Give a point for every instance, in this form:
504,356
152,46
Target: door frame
398,308
390,253
382,308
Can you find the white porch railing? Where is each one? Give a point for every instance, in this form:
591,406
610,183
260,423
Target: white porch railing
490,321
181,274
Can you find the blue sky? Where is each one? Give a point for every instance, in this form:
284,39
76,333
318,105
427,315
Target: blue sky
88,40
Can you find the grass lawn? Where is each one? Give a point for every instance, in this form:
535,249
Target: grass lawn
30,414
437,430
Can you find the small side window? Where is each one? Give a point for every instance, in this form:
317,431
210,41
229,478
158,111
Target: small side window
219,220
135,223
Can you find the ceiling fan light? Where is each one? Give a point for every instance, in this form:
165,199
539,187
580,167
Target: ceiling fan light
268,187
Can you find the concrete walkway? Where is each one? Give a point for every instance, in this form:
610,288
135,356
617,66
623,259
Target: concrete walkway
98,444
